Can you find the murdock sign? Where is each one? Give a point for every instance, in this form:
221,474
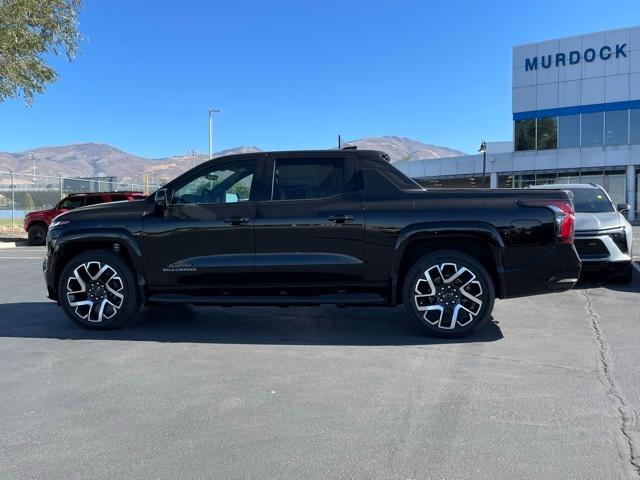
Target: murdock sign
575,56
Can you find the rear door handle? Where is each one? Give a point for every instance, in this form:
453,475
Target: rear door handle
236,220
340,218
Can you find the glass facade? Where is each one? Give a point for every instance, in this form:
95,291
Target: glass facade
525,135
634,126
616,127
613,181
569,131
592,129
547,133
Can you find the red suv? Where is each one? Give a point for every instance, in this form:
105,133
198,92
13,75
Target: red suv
37,223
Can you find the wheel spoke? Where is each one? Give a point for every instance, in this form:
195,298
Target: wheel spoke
433,314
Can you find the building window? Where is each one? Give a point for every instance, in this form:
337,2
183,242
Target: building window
523,181
546,178
568,177
525,135
505,181
596,177
637,205
616,186
592,129
616,127
634,122
547,133
569,131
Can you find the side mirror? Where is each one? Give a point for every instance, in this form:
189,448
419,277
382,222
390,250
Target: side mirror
160,200
624,207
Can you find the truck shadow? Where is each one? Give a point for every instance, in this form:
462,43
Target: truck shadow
594,280
239,325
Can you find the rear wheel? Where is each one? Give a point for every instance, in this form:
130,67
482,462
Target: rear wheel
449,293
97,290
37,234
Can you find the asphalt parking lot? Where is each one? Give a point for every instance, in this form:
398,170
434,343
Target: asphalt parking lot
550,389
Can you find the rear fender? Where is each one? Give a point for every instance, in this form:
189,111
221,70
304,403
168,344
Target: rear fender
441,231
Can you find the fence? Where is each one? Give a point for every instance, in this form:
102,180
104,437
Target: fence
22,193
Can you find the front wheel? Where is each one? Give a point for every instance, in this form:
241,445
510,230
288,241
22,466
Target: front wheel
449,293
97,290
37,234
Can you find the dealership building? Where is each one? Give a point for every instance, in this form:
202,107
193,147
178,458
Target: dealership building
576,119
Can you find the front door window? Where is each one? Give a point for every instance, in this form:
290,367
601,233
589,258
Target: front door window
227,183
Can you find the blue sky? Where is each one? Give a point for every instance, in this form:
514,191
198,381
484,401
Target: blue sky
293,74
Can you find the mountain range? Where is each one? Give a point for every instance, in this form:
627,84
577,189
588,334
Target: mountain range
91,159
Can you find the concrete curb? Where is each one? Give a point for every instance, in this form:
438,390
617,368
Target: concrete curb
12,242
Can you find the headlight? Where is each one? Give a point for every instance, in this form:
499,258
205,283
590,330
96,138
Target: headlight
620,239
57,223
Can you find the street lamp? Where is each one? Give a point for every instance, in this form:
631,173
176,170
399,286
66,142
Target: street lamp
211,112
13,198
483,149
193,154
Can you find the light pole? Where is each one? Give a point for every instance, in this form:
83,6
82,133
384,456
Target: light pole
211,112
13,198
483,149
193,154
33,158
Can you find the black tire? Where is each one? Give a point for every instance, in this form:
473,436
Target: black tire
37,234
472,308
116,280
626,276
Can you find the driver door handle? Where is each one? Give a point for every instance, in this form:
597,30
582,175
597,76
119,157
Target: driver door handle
340,218
236,220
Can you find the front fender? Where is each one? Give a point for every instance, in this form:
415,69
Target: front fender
61,243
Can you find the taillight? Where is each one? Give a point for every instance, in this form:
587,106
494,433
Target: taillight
564,214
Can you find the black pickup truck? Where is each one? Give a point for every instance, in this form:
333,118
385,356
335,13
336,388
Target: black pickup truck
340,227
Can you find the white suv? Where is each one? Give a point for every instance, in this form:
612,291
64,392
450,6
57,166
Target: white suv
603,235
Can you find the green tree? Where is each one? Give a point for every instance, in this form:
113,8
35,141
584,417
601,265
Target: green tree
30,30
29,204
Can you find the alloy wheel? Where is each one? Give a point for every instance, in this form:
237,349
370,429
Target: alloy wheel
95,291
448,295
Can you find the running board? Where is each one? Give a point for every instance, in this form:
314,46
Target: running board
333,299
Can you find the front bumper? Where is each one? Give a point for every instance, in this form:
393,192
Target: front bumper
49,280
599,251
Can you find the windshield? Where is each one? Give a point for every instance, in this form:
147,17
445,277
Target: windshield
591,200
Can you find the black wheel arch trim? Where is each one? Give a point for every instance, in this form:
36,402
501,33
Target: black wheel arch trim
122,237
441,230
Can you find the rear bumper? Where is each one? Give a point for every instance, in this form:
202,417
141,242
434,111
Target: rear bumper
557,271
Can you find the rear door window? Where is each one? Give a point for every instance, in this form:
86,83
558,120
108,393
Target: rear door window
307,178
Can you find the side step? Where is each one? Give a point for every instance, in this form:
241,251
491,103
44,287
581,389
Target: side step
332,299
